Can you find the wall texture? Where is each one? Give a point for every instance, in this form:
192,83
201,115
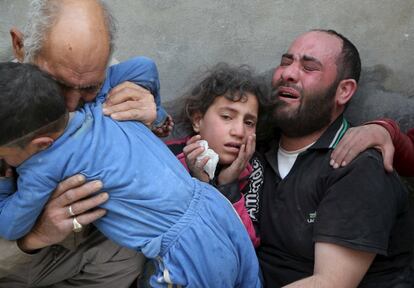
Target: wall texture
183,36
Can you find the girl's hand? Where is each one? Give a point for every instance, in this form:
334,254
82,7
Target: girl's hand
232,172
191,152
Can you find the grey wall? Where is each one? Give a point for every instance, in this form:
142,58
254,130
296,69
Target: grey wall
184,35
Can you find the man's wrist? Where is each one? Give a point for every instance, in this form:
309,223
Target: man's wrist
29,245
389,125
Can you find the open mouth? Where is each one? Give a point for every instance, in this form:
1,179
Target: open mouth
235,147
288,93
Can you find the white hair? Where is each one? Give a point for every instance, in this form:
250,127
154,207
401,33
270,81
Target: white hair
43,15
6,53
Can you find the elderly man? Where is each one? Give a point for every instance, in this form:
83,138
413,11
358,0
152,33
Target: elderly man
322,227
73,40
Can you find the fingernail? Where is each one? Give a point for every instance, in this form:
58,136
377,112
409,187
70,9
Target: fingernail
343,163
97,184
80,178
105,110
335,166
332,162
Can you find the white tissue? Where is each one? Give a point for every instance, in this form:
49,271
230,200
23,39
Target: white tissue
211,165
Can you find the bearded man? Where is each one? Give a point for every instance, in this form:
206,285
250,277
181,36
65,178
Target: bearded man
320,226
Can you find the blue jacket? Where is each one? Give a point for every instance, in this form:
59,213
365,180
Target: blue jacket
149,188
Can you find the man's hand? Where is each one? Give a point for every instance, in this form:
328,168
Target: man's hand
128,101
55,223
191,152
165,129
233,171
6,170
359,139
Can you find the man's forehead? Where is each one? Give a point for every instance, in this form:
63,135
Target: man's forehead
318,45
70,75
77,48
71,68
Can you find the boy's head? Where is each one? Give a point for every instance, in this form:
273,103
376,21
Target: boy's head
32,111
224,107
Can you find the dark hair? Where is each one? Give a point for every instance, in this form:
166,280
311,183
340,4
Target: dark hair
231,82
349,62
29,100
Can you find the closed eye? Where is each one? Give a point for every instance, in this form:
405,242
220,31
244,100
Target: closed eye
90,89
93,89
285,61
310,68
225,117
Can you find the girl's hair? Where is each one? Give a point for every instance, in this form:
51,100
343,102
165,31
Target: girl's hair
231,82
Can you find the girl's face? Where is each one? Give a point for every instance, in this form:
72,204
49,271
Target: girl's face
226,125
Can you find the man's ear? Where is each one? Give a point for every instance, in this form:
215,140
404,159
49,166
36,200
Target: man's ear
196,121
346,89
41,143
17,43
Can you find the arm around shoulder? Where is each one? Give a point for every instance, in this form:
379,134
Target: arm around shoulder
404,147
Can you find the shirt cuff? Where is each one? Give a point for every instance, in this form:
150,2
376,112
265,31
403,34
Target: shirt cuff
390,125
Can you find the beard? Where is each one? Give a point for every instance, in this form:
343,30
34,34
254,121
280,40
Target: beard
313,113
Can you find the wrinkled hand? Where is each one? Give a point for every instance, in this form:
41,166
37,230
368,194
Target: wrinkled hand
233,171
165,129
359,139
191,151
55,223
128,101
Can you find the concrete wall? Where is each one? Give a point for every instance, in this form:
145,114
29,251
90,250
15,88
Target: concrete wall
184,35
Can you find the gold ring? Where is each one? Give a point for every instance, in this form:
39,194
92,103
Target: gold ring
77,227
71,211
